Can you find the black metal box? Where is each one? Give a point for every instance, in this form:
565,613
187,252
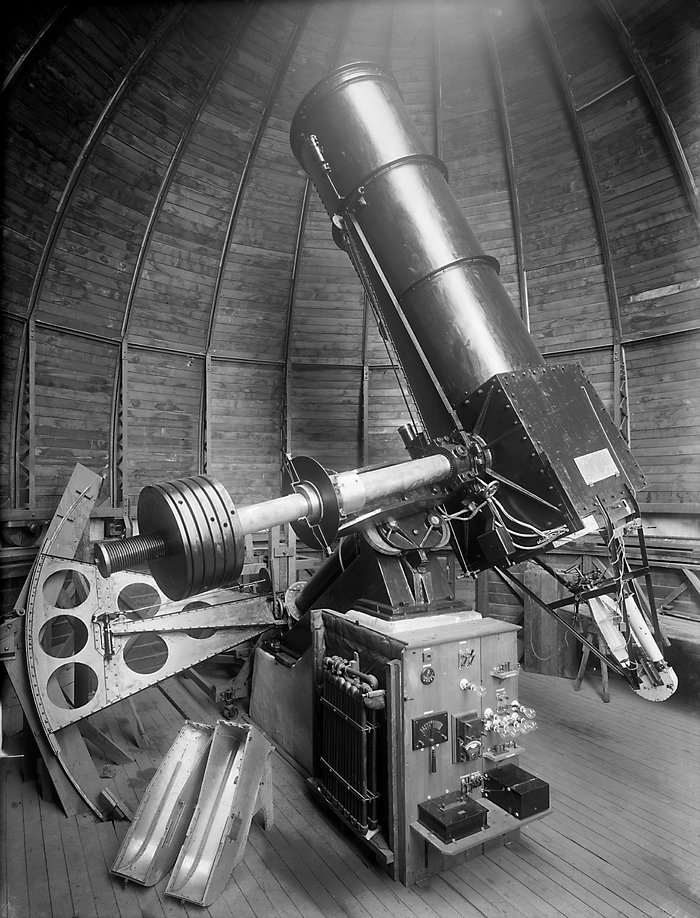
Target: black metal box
558,456
452,816
516,791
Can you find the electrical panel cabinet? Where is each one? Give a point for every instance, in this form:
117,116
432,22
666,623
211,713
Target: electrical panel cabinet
452,715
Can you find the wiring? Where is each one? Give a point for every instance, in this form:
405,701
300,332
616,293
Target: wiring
467,513
519,522
617,554
546,541
535,533
526,530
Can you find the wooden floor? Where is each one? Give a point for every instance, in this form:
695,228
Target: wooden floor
623,839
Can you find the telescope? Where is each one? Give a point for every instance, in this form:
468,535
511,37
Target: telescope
510,457
414,696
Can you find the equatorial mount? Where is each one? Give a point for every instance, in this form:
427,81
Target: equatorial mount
193,537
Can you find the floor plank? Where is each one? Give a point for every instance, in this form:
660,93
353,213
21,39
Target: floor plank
293,871
573,881
320,869
13,843
622,842
253,893
60,885
449,901
538,880
520,895
102,885
4,834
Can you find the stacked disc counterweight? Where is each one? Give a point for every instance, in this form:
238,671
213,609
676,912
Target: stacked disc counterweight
189,533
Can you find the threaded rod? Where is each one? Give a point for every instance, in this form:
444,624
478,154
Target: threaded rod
119,554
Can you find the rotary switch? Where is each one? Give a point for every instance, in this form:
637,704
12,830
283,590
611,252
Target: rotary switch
471,750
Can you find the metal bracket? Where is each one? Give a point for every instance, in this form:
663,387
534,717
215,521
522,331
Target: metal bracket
8,638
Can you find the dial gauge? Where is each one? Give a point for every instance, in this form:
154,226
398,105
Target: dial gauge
427,675
430,730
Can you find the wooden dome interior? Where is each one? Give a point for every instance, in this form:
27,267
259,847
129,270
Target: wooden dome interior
173,304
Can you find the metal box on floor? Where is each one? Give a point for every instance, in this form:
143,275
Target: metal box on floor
516,791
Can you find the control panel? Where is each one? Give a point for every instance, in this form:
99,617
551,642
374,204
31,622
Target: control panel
460,688
463,719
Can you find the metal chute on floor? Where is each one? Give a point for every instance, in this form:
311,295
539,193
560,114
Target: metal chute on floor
151,845
196,813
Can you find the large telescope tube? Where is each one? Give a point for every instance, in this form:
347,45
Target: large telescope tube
378,181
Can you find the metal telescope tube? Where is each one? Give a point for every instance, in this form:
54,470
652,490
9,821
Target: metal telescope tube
192,535
353,489
375,176
357,488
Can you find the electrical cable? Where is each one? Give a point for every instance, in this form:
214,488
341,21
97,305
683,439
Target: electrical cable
517,521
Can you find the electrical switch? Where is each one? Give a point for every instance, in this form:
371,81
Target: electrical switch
466,737
467,686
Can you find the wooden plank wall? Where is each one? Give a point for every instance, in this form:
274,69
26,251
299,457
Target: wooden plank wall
471,139
562,253
95,255
413,62
664,34
48,120
326,416
328,302
10,357
152,203
244,431
183,262
387,412
73,399
251,311
94,258
368,33
162,398
665,395
656,257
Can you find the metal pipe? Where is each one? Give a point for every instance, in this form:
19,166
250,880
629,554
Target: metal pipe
266,514
330,569
356,489
372,777
363,760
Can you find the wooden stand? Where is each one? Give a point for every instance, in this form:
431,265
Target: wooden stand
589,631
549,648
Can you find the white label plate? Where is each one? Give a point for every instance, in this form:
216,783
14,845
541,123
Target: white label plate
596,466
